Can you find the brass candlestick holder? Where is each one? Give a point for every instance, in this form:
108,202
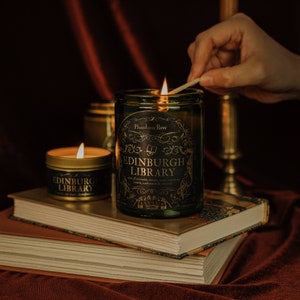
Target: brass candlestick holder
229,144
229,125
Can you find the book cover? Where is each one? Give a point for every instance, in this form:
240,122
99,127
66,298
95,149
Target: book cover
26,247
222,217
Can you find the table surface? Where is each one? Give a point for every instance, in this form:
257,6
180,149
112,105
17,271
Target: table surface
267,266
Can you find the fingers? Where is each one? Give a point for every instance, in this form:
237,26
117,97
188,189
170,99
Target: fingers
217,43
238,55
233,77
206,55
199,58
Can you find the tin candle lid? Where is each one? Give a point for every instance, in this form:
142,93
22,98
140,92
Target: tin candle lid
65,158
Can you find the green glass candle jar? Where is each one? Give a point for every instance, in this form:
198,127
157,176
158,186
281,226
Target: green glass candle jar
159,153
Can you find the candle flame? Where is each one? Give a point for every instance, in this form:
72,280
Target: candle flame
80,152
164,90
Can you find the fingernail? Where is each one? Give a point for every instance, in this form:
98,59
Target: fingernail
206,80
190,77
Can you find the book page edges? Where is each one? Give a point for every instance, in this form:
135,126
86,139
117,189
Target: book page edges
216,279
179,254
59,274
95,239
105,209
222,271
12,225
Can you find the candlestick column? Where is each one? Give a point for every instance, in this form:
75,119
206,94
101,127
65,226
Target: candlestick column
228,121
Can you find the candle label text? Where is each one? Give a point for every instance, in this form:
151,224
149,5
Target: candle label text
78,184
156,157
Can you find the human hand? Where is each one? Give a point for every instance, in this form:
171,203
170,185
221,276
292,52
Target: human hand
238,56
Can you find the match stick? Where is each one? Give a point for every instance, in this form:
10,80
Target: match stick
184,86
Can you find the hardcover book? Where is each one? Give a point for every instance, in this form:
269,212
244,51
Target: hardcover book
223,217
29,248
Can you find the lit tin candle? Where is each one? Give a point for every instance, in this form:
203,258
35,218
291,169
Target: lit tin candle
79,174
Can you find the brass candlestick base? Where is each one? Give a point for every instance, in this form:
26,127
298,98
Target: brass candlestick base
230,184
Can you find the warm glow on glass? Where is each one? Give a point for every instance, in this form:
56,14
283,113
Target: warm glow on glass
164,89
80,152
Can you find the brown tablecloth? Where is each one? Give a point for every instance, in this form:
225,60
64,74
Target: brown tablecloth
267,266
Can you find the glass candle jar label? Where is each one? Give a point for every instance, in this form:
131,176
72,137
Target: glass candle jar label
159,159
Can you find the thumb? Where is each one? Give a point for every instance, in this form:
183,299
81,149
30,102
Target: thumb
230,77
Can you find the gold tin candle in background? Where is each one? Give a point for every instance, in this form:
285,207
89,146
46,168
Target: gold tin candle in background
79,179
159,153
99,125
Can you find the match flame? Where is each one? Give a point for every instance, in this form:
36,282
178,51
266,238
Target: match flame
80,152
164,90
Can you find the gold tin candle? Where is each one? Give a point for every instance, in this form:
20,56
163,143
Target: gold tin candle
159,153
79,179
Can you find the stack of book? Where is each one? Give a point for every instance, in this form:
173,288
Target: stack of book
94,240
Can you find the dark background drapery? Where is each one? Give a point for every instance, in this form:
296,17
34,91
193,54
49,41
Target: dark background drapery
58,56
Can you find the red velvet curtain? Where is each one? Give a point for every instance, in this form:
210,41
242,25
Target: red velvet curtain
57,56
96,50
127,44
60,55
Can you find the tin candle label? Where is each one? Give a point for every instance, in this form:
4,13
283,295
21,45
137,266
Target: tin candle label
156,161
77,184
82,177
